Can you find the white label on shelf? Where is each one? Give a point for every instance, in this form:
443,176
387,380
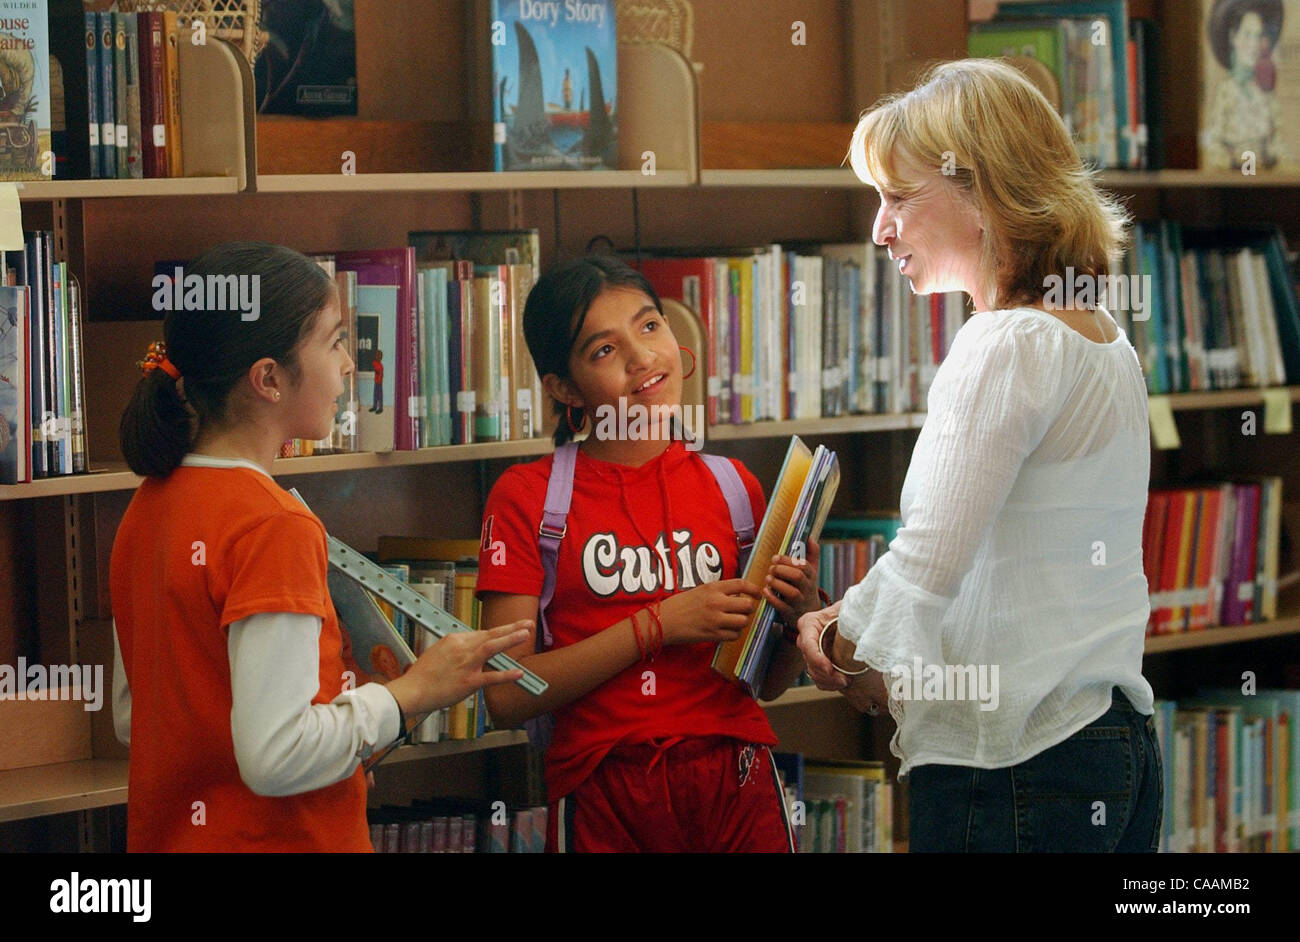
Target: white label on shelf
415,407
928,371
1293,819
94,135
869,370
743,383
465,400
160,135
499,132
828,378
714,385
121,135
1245,591
884,370
108,133
524,399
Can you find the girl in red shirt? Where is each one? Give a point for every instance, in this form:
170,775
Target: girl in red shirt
230,684
652,749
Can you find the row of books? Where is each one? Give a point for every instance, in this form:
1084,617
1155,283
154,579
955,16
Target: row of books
1211,554
1232,771
457,826
809,331
133,94
42,387
435,329
1222,309
841,807
1096,66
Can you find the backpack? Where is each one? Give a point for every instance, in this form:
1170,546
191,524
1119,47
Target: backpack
559,495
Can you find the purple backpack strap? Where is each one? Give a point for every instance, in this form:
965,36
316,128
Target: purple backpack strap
742,512
559,494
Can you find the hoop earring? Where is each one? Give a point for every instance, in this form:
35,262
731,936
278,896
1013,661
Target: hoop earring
692,353
568,419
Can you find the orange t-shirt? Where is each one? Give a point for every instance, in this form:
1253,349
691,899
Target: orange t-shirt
195,552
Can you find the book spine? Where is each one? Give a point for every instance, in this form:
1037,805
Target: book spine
121,137
92,90
107,124
133,130
80,461
155,135
172,93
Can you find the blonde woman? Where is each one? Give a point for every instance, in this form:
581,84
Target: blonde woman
1005,626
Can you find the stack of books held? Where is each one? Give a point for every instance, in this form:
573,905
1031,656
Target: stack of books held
801,501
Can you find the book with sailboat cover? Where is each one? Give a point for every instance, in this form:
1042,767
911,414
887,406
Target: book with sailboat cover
801,501
554,85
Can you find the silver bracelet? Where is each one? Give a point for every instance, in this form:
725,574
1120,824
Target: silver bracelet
821,645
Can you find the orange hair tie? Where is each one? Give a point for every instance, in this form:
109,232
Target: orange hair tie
156,358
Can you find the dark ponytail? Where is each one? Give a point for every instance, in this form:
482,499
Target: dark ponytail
557,307
214,348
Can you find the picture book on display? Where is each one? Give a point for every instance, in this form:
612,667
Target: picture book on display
554,84
1250,85
309,63
25,92
801,501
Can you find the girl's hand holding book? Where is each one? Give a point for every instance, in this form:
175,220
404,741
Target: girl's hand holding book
452,669
791,585
715,611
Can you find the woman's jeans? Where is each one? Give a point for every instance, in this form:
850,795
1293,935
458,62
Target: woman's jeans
1101,790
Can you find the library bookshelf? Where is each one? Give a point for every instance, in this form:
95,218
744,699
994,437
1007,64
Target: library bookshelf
56,534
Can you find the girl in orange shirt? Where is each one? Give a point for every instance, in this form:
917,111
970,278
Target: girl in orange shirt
230,684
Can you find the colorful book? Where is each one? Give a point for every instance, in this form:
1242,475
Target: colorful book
308,65
554,89
15,405
25,106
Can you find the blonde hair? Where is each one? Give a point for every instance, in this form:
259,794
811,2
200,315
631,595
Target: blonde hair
988,131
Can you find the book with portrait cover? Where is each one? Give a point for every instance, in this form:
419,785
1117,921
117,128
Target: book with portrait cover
1250,85
554,73
309,63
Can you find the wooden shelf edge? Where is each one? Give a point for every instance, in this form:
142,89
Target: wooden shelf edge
796,696
1229,634
99,189
1203,179
499,739
470,181
67,786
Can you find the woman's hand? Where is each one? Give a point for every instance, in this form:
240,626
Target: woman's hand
791,585
452,669
820,670
715,611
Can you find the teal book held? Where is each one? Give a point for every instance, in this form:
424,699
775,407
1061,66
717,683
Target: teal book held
554,85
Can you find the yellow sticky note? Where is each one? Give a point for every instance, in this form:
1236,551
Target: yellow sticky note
11,218
1277,411
1164,431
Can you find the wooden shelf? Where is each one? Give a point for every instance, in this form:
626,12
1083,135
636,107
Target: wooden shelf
67,786
1201,179
796,696
500,739
116,477
1287,623
469,181
840,425
96,189
96,783
1223,398
827,178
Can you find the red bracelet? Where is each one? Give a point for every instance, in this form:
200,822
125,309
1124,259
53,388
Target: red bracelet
658,642
636,632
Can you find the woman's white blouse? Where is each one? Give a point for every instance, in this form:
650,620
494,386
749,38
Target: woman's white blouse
1013,597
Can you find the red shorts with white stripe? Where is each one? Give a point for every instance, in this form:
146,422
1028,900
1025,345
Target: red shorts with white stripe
700,794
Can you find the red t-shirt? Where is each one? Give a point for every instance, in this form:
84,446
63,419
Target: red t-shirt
378,367
194,552
623,525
